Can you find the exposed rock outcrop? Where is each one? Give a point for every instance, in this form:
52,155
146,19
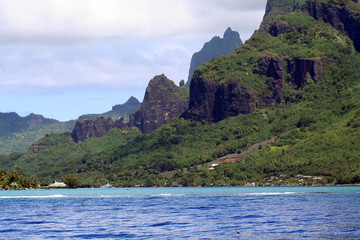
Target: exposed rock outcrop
344,17
214,102
217,91
299,70
163,101
277,28
216,47
303,70
93,129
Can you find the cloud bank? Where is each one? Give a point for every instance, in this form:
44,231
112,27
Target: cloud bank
77,46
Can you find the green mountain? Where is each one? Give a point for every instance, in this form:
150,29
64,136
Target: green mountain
18,133
117,111
283,109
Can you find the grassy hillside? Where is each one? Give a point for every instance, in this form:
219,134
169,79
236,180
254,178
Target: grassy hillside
317,125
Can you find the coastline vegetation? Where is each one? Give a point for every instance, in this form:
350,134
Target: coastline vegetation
316,130
15,180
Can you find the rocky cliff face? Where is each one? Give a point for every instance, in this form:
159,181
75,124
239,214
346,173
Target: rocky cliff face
163,101
254,78
344,17
216,47
93,129
214,102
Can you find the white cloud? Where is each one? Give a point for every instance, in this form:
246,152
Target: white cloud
79,46
70,20
24,20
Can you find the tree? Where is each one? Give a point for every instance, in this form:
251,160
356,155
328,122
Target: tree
3,174
16,179
72,180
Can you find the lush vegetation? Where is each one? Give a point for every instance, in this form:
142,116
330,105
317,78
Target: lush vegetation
72,180
276,8
317,127
16,180
350,4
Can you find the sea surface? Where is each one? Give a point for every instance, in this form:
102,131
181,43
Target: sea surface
182,213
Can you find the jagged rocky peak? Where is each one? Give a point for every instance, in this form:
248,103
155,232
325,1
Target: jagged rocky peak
260,73
94,129
216,47
230,34
163,101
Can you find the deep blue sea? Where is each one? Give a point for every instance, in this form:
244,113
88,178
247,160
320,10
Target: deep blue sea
182,213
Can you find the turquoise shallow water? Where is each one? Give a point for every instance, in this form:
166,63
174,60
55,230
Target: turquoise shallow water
182,213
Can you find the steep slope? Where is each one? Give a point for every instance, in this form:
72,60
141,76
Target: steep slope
257,76
117,112
274,8
216,47
342,15
163,101
85,129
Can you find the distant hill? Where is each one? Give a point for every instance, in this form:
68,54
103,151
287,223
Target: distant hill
216,47
117,111
18,133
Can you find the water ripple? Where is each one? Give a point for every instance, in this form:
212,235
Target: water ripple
213,213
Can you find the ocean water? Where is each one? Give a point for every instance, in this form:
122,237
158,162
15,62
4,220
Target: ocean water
182,213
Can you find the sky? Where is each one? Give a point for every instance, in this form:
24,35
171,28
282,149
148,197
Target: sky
65,58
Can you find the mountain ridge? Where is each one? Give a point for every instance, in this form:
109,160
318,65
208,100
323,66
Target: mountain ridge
18,133
117,112
216,47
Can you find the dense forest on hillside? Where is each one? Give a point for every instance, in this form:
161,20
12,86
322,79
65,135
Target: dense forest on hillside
314,126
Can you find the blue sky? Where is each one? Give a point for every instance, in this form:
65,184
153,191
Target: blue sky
65,58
